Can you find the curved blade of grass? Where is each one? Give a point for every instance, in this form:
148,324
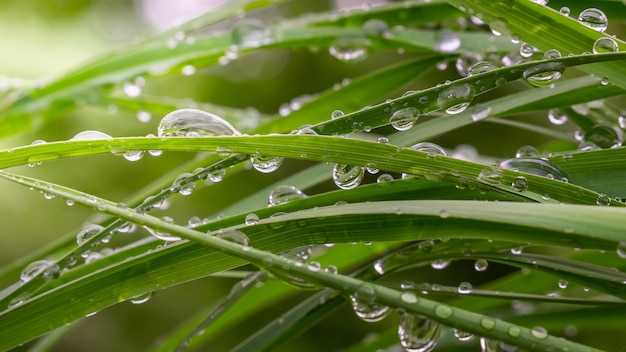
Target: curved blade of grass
466,320
545,29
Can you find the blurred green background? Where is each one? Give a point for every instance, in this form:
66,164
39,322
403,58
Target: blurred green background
42,39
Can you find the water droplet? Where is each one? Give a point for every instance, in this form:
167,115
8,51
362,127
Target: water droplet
465,61
527,151
605,45
539,332
369,311
251,33
463,336
69,202
252,219
408,297
526,50
144,116
141,299
284,194
35,268
455,99
444,214
418,333
164,236
481,265
376,28
481,67
541,2
196,123
539,167
133,155
131,90
88,232
604,136
520,184
266,163
331,269
551,54
349,48
557,117
488,323
594,19
384,178
379,267
347,176
404,119
433,150
563,284
544,74
565,10
447,41
488,345
336,114
440,264
603,199
621,249
480,111
465,288
217,174
491,175
235,236
91,135
517,250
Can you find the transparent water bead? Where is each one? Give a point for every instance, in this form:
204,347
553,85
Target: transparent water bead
447,41
535,166
183,184
604,136
234,236
418,333
251,33
347,176
456,99
621,249
594,19
491,175
465,288
369,311
603,200
251,219
194,123
284,194
481,265
481,67
551,54
164,236
91,135
480,111
141,299
404,119
605,45
527,151
88,232
376,28
134,155
541,2
465,61
266,163
487,345
520,184
349,48
35,268
543,74
463,336
526,50
557,117
336,114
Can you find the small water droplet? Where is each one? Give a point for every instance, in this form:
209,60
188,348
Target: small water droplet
314,266
235,236
69,202
481,265
463,336
480,111
252,219
35,268
331,269
557,117
408,297
144,116
376,28
543,74
603,136
141,299
551,54
447,41
563,284
133,155
349,48
440,264
217,174
594,19
250,33
481,67
455,99
541,2
517,250
284,194
603,199
87,233
164,236
194,123
384,178
621,249
443,311
336,114
520,184
266,163
487,323
539,332
491,175
404,119
565,10
526,50
465,288
539,167
347,176
91,135
418,333
465,61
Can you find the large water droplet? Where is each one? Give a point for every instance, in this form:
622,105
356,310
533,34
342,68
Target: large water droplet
252,219
544,74
418,333
603,136
404,119
266,163
347,176
455,99
35,268
594,19
447,41
234,236
284,194
369,311
194,123
349,48
251,33
88,232
90,135
539,167
605,45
